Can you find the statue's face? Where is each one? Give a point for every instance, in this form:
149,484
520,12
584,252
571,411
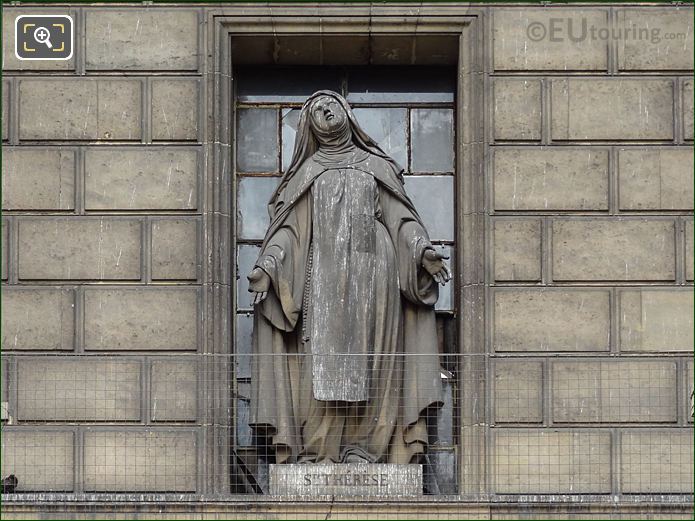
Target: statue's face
327,114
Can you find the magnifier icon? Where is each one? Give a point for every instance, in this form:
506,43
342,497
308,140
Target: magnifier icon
42,35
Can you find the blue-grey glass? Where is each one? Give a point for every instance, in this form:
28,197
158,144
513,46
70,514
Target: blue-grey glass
444,465
445,415
284,84
257,140
433,196
445,301
290,118
388,127
253,194
246,257
432,140
243,429
242,345
398,84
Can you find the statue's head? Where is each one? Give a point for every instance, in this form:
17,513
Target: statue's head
327,115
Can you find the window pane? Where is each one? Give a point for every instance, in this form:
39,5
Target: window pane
246,257
243,430
396,84
284,84
252,210
433,196
432,140
242,349
388,128
257,140
290,118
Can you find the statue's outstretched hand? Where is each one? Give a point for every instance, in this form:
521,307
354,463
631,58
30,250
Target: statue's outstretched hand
433,262
259,282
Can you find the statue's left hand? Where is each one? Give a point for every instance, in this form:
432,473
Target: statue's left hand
433,262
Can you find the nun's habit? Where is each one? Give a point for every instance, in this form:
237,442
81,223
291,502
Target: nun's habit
349,299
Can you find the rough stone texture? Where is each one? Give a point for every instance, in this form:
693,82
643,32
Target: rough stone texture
613,249
589,109
551,320
79,249
645,45
139,319
42,460
560,49
78,389
37,318
175,105
4,247
136,461
656,320
657,461
517,109
518,391
614,391
83,109
656,178
517,249
548,178
142,39
141,178
174,247
688,110
10,62
689,251
346,479
5,109
38,179
533,461
174,390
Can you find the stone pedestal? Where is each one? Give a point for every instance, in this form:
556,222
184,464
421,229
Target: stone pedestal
346,479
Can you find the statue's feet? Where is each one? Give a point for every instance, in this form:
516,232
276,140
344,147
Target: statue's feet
356,455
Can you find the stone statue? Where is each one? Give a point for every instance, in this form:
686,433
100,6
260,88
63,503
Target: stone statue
345,286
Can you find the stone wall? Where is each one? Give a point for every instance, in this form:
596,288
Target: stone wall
108,266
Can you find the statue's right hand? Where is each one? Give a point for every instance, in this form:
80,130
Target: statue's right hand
259,282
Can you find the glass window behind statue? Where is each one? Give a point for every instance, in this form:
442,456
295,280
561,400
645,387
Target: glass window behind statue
409,113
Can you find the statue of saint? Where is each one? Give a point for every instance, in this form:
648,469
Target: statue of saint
346,364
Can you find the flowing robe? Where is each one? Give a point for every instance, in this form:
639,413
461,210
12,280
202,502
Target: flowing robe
349,299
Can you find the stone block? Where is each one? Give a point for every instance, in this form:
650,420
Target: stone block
614,391
4,247
174,249
656,320
10,62
549,178
598,109
551,320
649,39
534,461
657,461
517,249
38,179
38,318
80,109
141,179
175,105
42,460
142,39
141,319
6,86
689,251
79,249
688,110
613,249
346,479
140,461
174,390
517,110
656,178
538,39
78,389
518,391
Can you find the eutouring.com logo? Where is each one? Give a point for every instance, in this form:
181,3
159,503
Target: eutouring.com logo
43,37
579,30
